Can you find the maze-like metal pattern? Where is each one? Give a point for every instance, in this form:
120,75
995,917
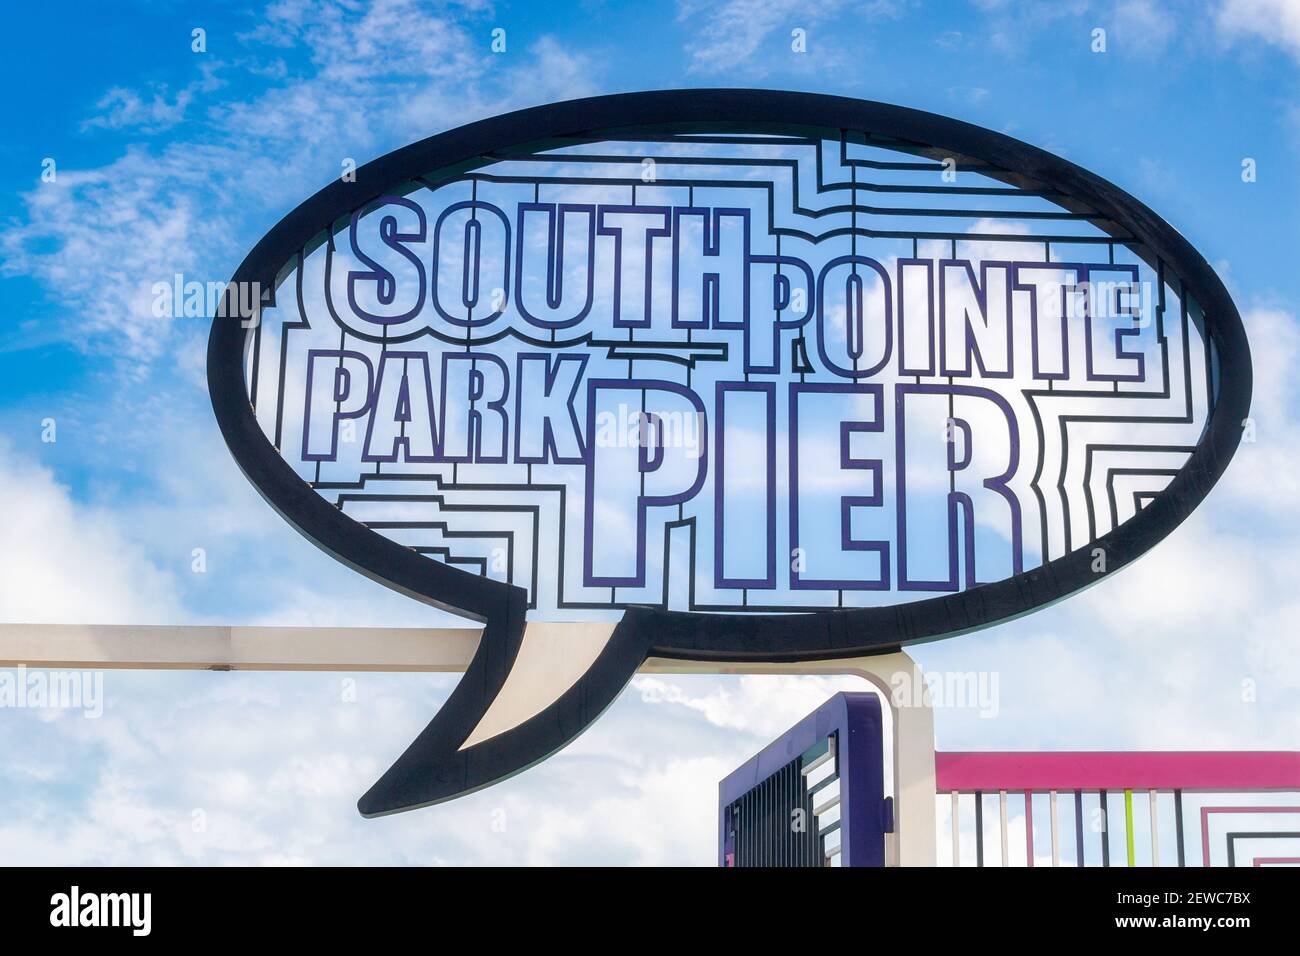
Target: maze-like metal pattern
1093,449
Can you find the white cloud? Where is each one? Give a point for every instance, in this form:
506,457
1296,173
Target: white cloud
762,705
266,768
99,239
1190,648
65,563
727,36
1265,474
121,108
379,76
1276,22
1143,26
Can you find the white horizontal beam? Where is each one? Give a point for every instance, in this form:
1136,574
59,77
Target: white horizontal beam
449,650
238,648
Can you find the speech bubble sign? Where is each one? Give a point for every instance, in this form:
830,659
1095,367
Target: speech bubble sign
718,375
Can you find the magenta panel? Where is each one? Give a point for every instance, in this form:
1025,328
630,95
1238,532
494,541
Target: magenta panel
1128,770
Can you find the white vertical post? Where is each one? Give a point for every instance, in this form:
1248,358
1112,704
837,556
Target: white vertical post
1056,842
956,830
1002,812
1155,831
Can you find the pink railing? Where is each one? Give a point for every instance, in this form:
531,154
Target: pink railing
1092,783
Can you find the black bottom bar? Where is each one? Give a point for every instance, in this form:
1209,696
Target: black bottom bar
334,907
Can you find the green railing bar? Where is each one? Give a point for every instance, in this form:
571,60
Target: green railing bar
1128,824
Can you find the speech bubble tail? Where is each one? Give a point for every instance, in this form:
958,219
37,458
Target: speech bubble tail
530,689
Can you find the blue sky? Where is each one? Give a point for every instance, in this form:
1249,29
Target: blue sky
169,160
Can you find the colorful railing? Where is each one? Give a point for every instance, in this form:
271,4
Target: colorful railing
1213,788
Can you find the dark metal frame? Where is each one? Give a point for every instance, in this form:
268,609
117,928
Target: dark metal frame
433,768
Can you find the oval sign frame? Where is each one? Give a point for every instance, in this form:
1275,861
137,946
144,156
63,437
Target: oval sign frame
434,768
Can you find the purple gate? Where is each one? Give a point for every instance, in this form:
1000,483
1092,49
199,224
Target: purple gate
814,796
